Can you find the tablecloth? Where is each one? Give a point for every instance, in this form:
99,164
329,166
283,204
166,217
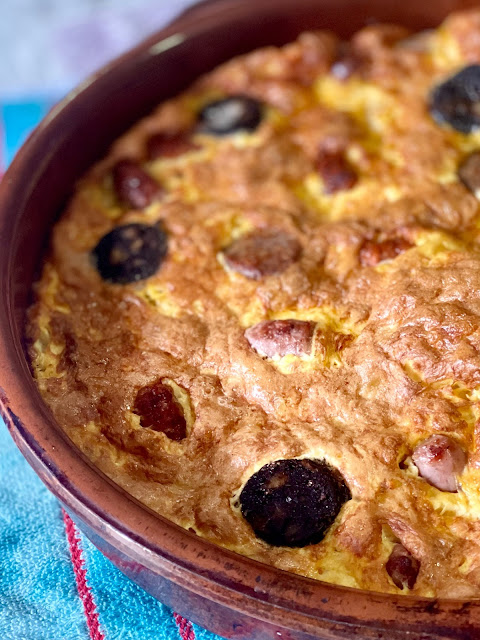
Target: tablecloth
54,584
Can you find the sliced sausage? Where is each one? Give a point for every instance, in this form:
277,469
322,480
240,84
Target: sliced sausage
134,186
262,253
160,411
469,172
169,145
335,171
402,567
346,63
281,337
439,460
373,252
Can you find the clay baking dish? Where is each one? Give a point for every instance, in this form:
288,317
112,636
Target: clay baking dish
228,594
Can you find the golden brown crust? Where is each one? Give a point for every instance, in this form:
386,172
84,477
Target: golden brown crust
387,267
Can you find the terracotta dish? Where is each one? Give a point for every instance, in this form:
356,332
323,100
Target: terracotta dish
229,594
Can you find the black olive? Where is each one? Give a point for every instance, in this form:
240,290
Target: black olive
457,100
229,115
293,502
130,253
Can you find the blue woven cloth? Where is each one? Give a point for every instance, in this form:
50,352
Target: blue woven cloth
40,595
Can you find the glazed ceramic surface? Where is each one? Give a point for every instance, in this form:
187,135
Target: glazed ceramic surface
229,594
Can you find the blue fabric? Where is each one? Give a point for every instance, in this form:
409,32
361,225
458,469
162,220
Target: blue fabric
39,599
18,121
125,611
38,595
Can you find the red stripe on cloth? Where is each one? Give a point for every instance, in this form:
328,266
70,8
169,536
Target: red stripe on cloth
84,592
184,627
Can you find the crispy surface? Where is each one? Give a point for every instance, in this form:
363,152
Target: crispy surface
388,269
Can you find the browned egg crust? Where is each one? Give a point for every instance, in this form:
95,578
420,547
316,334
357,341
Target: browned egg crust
305,286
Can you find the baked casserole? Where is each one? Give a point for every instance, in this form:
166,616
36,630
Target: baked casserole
260,312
